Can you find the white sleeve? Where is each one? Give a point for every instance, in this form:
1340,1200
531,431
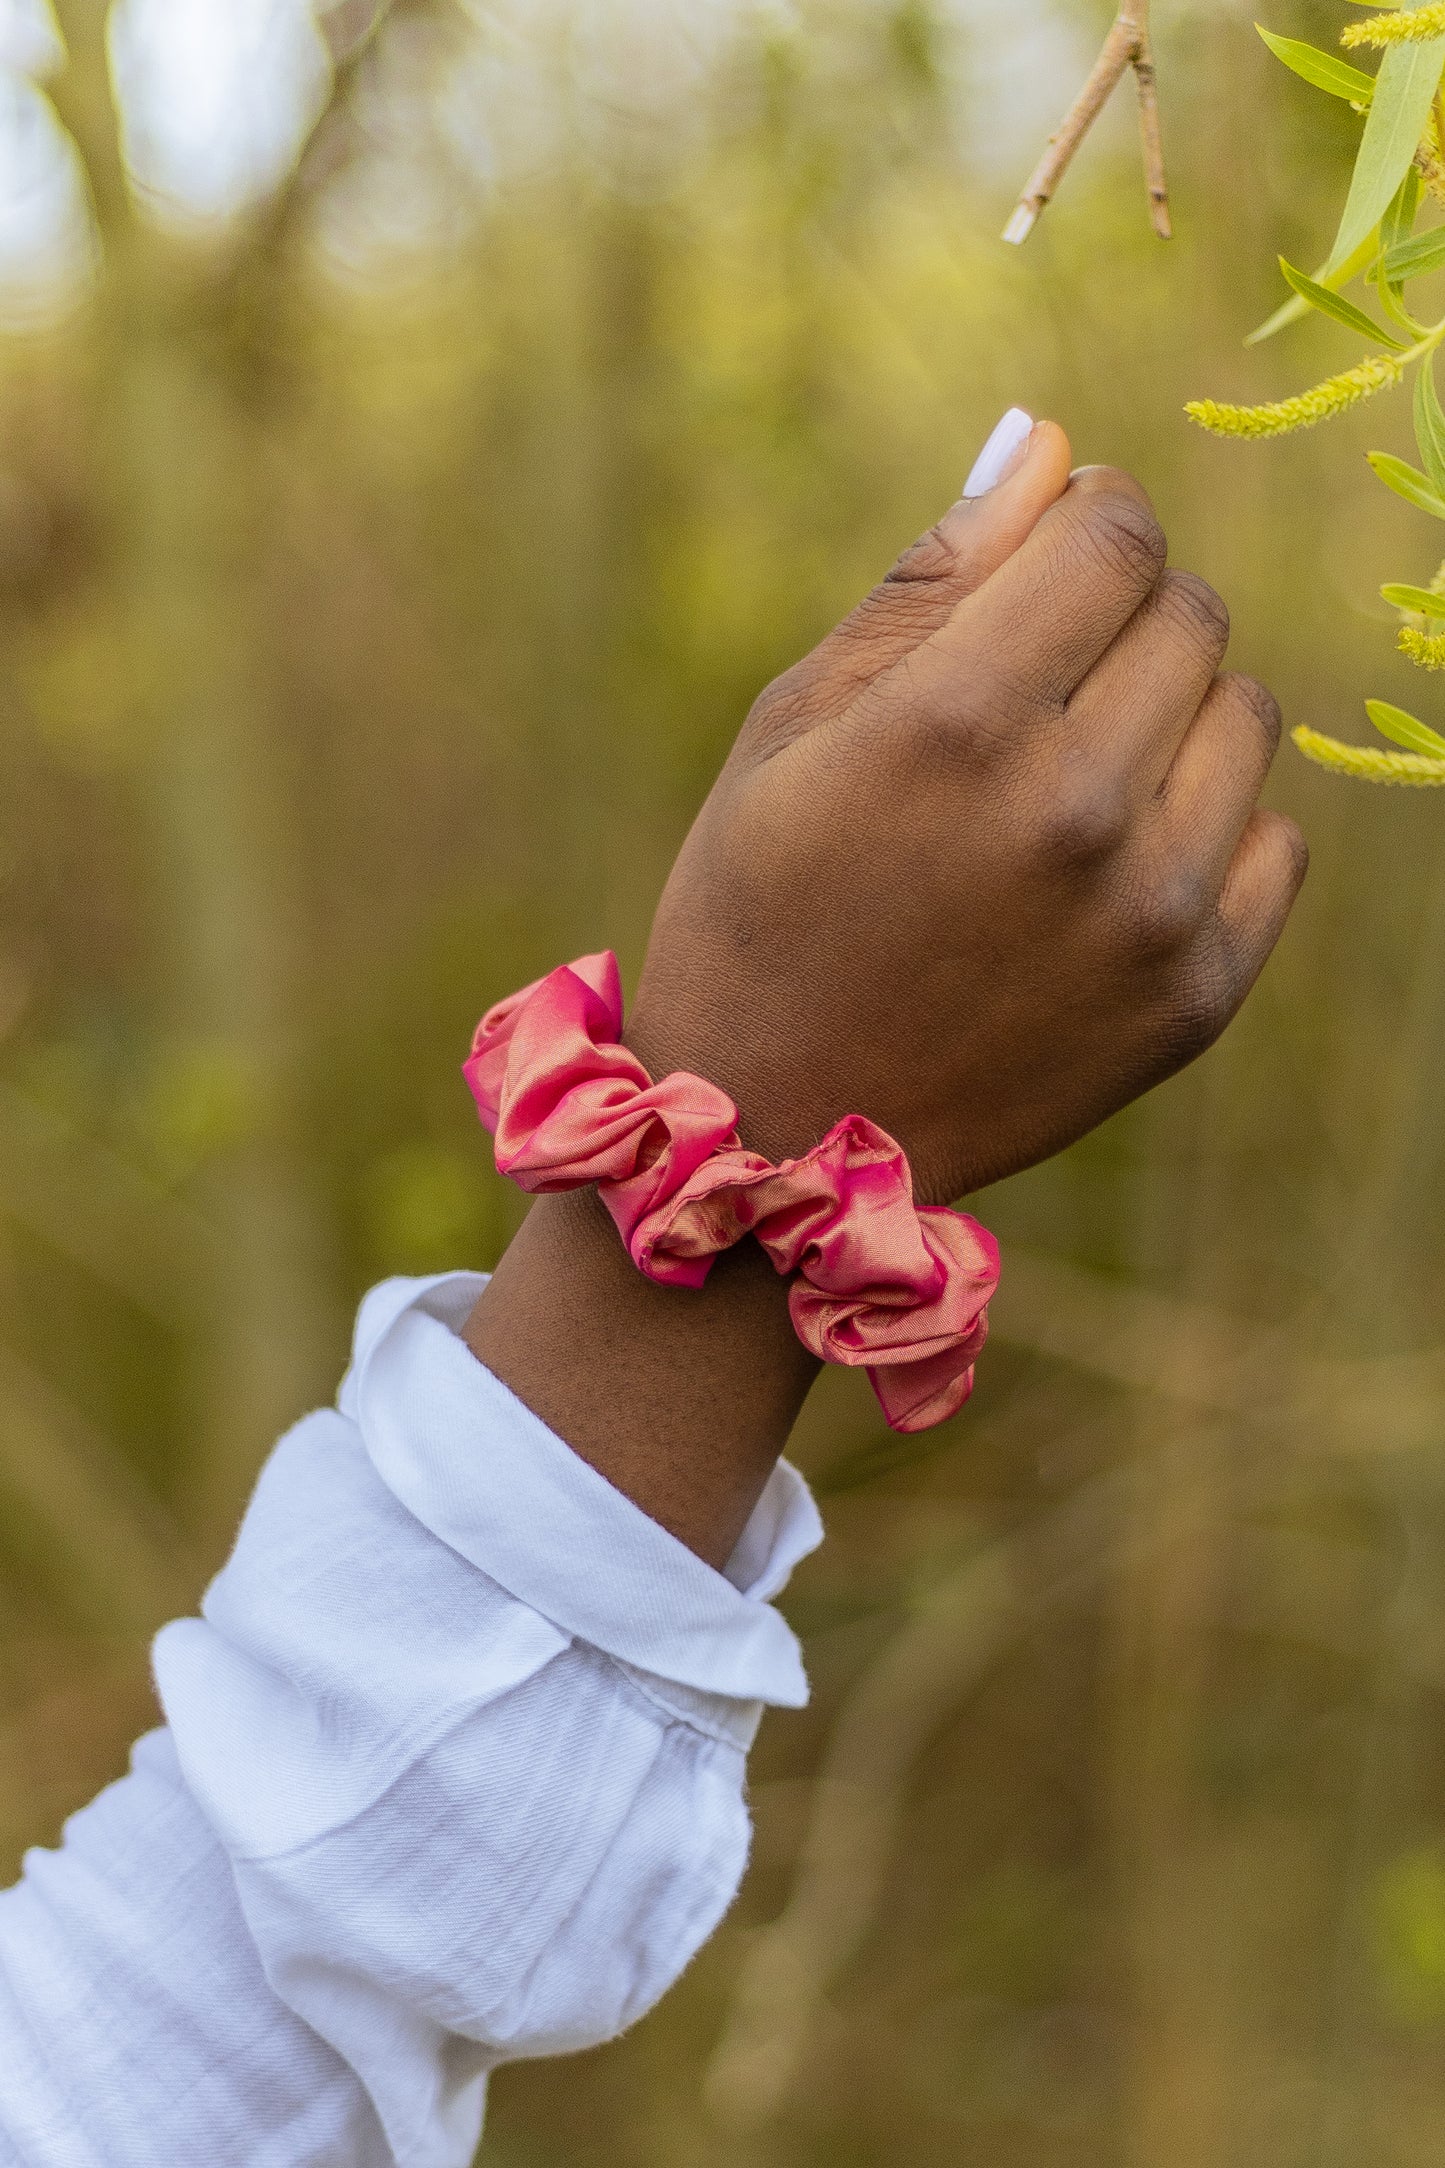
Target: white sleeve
452,1773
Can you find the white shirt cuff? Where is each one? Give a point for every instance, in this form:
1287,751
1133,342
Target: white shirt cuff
474,1465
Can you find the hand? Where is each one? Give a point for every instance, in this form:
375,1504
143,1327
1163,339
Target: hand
988,864
983,867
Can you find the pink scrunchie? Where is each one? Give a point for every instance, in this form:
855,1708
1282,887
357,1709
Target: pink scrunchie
897,1288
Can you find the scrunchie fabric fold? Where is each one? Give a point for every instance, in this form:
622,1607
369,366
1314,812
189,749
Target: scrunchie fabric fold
880,1283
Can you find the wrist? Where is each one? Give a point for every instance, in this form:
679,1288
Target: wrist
877,1282
775,1118
683,1399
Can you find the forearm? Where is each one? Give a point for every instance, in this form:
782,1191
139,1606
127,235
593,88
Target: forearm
453,1775
683,1400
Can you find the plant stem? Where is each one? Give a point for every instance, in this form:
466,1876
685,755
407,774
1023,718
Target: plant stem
1126,46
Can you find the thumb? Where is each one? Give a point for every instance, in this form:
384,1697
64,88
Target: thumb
1021,471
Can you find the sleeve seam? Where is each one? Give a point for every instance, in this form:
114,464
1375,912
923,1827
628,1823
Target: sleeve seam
688,1720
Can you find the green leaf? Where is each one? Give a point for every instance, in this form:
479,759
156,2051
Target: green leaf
1393,303
1412,259
1407,82
1430,424
1398,222
1290,312
1344,312
1396,226
1420,601
1403,729
1407,482
1324,70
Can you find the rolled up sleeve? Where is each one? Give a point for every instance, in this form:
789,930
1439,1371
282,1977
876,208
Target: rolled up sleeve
452,1774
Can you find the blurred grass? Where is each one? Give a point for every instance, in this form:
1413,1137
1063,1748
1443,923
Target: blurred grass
383,578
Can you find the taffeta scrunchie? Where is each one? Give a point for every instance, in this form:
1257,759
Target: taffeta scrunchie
899,1289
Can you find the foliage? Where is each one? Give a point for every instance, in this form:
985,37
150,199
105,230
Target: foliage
1399,174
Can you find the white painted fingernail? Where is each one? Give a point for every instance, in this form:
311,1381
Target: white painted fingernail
1001,452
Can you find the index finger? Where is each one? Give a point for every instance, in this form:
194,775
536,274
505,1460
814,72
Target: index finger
1045,617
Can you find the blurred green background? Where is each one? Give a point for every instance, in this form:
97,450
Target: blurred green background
418,445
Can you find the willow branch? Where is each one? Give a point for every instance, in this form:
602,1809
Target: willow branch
1126,46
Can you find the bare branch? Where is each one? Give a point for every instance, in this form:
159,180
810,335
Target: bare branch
82,97
1126,46
351,29
1155,178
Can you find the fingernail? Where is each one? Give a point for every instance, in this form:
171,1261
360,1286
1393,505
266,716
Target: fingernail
1002,454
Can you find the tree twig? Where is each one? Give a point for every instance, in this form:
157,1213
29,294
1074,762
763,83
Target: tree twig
1126,46
1152,141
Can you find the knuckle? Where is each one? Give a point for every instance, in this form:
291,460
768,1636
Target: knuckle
779,702
1085,820
959,732
892,613
1196,608
1169,910
997,729
1259,708
926,562
1284,849
1126,537
1290,842
1200,1010
1102,474
780,711
910,601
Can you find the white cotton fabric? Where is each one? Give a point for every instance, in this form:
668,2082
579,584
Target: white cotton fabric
452,1774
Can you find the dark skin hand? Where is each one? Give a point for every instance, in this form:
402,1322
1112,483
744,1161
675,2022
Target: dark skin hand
985,866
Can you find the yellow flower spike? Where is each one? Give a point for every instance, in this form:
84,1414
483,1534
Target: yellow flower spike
1416,771
1405,26
1377,372
1425,649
